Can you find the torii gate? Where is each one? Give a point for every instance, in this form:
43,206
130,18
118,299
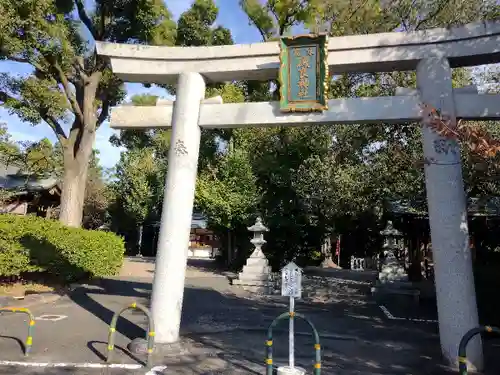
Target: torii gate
432,53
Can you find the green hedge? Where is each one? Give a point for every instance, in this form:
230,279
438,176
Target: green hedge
34,244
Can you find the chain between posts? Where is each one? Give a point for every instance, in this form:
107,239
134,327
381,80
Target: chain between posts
31,323
462,347
269,342
149,334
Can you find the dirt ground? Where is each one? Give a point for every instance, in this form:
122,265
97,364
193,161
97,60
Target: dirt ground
144,267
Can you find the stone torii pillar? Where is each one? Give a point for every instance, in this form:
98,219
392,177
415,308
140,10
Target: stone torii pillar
454,279
175,225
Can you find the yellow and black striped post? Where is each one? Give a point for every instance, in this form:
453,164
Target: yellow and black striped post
269,343
462,347
31,323
149,334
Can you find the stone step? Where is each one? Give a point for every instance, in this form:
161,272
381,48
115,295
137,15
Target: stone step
262,283
254,261
256,268
253,276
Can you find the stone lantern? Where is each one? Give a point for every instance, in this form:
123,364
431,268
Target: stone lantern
258,230
391,237
392,269
256,273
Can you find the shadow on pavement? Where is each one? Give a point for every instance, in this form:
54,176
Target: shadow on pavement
84,298
102,354
225,329
22,348
230,330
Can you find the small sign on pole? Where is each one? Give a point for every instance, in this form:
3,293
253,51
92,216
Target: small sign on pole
291,281
291,286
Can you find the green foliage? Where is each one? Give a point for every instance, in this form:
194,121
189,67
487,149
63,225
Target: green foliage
136,172
275,18
9,150
140,174
70,88
227,192
34,244
40,159
195,26
308,183
98,196
338,179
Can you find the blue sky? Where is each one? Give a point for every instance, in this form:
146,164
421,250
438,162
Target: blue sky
230,16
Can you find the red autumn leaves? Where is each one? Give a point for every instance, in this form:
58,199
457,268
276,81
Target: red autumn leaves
477,138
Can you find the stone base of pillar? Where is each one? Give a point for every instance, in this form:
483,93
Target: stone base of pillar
286,370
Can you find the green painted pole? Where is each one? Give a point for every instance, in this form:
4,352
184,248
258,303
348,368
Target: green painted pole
269,343
149,334
462,347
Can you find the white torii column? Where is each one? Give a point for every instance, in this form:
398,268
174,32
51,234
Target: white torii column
454,279
175,226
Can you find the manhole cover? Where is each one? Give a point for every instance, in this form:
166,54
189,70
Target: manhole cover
52,318
138,346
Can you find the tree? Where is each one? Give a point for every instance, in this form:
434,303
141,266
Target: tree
136,175
41,158
70,86
9,149
226,192
139,176
195,28
340,178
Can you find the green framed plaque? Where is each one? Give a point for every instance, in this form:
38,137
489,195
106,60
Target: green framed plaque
304,73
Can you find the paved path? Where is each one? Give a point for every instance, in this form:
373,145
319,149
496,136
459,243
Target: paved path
223,332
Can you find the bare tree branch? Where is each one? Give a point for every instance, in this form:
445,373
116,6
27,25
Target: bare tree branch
85,18
51,120
67,91
360,5
55,126
102,32
18,59
264,36
432,15
78,64
4,96
104,112
22,60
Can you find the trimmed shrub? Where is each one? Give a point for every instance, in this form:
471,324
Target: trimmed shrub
34,244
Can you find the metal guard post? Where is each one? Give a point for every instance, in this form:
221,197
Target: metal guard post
269,343
149,334
29,340
462,347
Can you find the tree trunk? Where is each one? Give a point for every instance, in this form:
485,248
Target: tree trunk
73,193
77,153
